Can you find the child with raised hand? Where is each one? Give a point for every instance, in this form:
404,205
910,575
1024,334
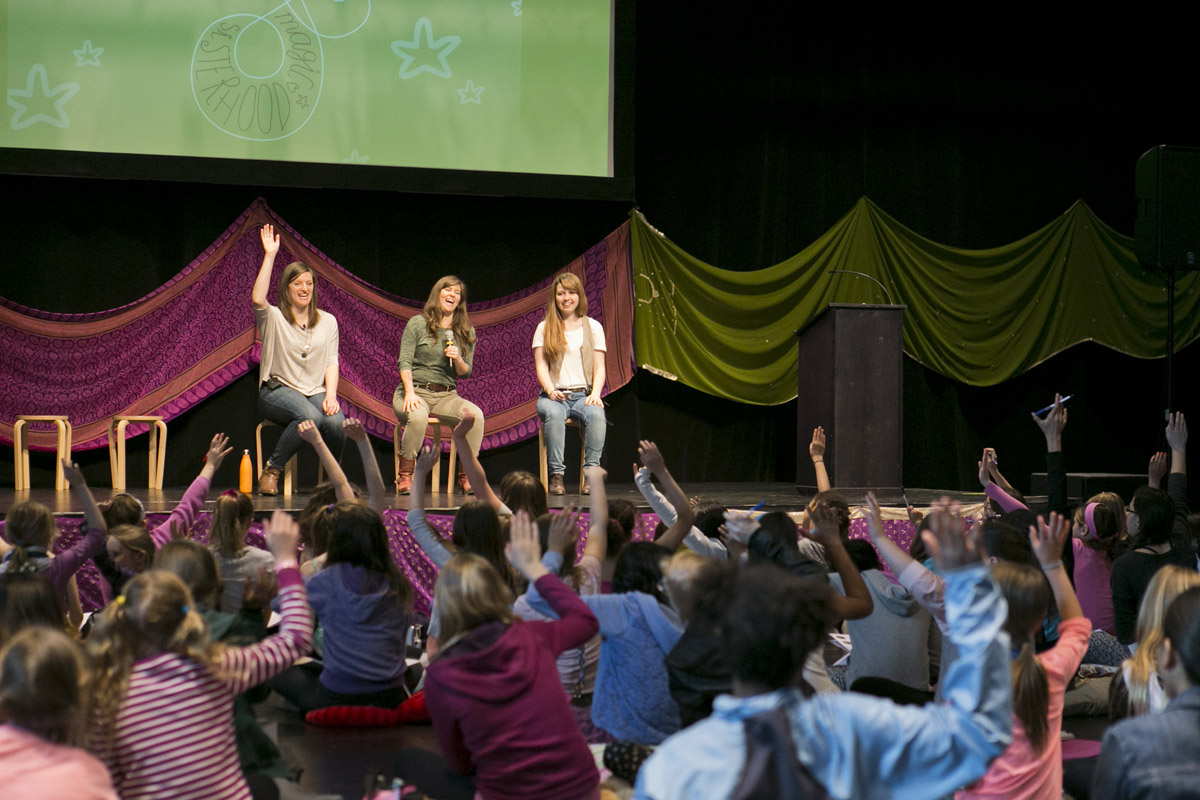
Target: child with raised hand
125,509
697,538
163,690
493,692
1031,767
316,517
43,707
1161,534
30,529
847,745
576,667
362,602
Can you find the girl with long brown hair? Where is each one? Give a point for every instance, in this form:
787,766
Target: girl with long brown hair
568,352
436,350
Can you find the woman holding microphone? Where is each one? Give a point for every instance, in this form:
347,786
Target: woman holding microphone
435,351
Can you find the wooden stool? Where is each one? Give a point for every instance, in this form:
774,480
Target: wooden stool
542,463
116,450
436,479
21,449
289,469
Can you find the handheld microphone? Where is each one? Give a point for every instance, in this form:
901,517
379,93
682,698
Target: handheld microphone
449,341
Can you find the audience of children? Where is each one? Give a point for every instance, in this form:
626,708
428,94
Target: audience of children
705,667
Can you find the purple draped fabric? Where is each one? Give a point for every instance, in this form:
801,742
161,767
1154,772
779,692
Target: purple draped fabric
188,339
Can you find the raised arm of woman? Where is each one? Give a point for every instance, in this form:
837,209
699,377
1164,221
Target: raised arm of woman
262,284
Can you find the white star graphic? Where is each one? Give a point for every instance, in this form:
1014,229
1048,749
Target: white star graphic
470,93
60,94
439,47
88,54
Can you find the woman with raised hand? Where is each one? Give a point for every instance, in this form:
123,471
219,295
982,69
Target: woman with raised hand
437,349
298,373
568,352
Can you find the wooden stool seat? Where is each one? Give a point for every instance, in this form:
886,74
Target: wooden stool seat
436,479
21,449
543,466
289,469
116,449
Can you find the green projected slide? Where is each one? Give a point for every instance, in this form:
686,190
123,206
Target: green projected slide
488,85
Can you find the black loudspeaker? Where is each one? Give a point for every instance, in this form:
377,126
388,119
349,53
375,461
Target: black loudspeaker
1166,230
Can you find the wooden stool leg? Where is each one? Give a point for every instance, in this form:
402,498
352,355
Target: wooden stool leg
162,455
289,473
582,456
114,477
542,460
436,480
20,481
119,476
396,450
258,462
152,458
62,450
452,472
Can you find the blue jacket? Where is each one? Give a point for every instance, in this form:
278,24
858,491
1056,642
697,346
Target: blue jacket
632,700
859,746
1155,756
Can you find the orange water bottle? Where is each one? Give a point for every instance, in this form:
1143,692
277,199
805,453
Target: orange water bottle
246,474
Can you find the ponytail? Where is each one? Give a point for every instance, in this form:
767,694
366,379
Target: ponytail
1031,696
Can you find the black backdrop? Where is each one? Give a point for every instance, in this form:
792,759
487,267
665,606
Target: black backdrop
754,134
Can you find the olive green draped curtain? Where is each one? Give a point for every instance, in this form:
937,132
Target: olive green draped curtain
976,316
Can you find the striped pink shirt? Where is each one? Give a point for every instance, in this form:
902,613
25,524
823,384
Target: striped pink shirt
174,731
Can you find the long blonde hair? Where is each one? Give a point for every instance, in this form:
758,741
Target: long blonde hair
156,614
1167,584
284,300
469,593
460,323
554,336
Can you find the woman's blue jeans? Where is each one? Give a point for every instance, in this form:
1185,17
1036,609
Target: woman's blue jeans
288,408
554,415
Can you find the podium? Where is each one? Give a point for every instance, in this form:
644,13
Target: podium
852,384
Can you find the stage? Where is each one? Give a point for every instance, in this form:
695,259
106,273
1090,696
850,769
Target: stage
774,496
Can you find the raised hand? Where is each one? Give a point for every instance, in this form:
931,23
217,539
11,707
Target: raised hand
354,430
308,432
282,535
1158,468
73,473
217,450
1047,540
816,448
523,550
465,424
270,239
986,462
740,526
1053,423
426,459
178,532
1177,431
563,529
949,543
650,455
874,517
825,531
